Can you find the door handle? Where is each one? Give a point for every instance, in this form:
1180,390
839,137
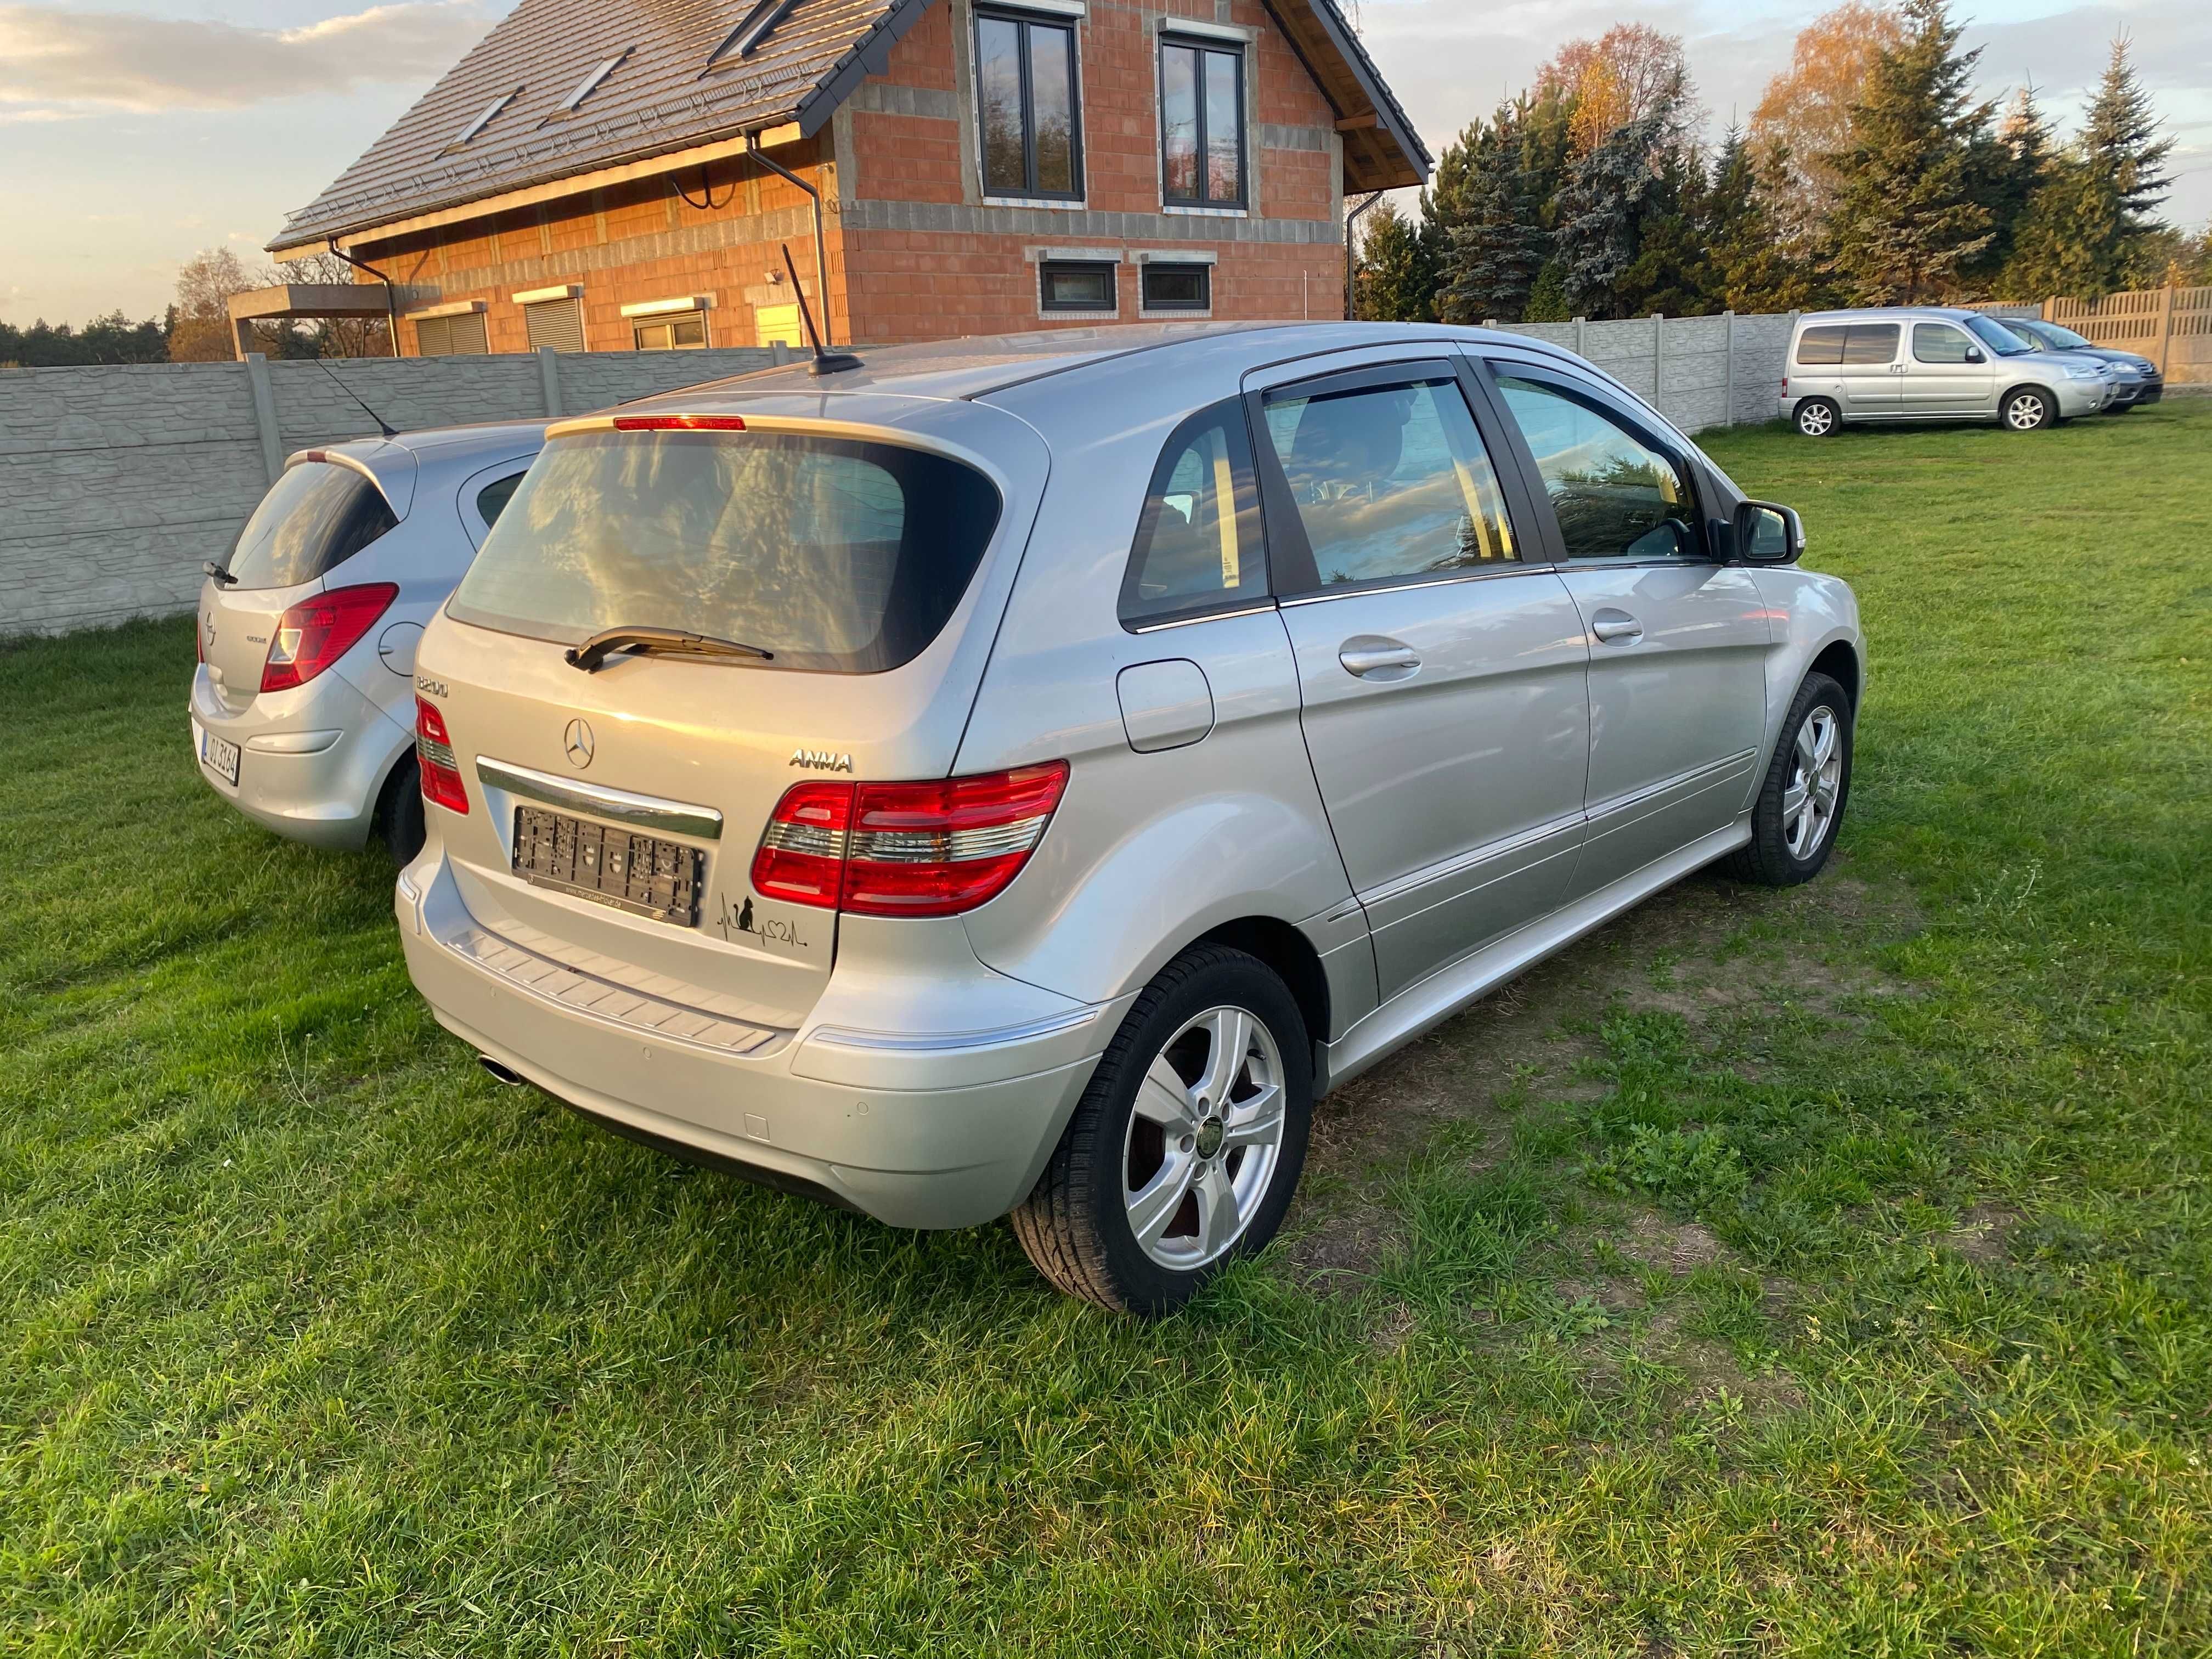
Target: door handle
1612,625
1371,656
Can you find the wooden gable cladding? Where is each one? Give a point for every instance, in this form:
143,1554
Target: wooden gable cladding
1380,149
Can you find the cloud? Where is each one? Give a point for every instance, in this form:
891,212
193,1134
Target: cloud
56,64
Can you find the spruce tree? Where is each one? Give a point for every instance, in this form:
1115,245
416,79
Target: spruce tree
1494,256
1906,219
1397,270
1602,211
2088,231
2009,169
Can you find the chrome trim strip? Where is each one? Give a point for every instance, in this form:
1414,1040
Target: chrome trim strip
1719,772
1193,622
639,812
1511,567
1474,858
832,1037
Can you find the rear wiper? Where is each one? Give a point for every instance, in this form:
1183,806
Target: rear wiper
668,641
217,574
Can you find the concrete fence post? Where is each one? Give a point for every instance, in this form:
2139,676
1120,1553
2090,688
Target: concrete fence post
1581,324
264,415
1728,395
549,378
778,353
2165,326
1658,362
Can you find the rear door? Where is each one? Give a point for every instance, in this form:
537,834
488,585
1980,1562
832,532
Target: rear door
872,564
1871,372
1677,641
1947,373
1441,672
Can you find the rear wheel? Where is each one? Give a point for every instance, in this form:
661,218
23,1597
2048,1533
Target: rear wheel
1817,417
1185,1149
2026,410
399,811
1793,822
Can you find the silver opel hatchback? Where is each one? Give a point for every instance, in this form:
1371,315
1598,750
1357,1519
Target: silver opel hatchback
302,705
1021,776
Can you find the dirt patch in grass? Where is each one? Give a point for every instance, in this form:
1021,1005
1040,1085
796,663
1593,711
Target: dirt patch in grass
1984,1235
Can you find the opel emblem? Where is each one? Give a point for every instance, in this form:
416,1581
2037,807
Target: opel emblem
579,741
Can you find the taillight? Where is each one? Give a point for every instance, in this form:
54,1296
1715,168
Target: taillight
435,760
679,423
906,849
315,632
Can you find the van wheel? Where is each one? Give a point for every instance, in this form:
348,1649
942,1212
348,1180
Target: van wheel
399,811
1817,417
1793,822
2029,410
1185,1148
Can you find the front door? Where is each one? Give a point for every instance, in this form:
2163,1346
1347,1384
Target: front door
1442,675
1678,642
1947,374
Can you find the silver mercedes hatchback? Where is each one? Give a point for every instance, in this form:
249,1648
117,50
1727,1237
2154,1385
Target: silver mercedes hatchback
1020,776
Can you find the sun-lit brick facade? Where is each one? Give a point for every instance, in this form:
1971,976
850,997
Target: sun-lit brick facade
916,246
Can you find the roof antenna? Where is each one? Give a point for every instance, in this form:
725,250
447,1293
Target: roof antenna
825,362
382,425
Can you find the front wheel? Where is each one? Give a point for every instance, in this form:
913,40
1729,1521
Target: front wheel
1817,417
1793,822
2029,410
1186,1148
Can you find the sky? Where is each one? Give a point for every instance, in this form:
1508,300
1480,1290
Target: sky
131,138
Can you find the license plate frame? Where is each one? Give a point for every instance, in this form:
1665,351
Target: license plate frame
220,756
647,876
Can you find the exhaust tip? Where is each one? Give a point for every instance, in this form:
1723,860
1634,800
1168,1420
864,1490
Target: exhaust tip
505,1074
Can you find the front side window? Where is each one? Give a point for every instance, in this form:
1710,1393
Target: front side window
313,518
1198,544
1615,497
1201,124
1939,343
1026,90
1178,288
838,555
1076,285
1390,482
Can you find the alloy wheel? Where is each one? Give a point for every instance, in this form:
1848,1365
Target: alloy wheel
1815,420
2025,412
1205,1138
1816,781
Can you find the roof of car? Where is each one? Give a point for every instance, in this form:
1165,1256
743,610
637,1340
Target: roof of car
977,366
485,439
1889,313
562,87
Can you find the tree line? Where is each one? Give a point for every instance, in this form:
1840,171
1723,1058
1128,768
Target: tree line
1868,175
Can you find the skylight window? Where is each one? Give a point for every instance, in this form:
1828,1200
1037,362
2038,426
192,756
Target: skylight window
590,83
745,40
485,119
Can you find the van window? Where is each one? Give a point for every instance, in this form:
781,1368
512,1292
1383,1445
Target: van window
1390,482
1939,343
838,555
313,518
1198,544
1823,344
1872,343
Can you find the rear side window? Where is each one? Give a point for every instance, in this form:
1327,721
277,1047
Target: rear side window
317,516
1390,482
492,499
1198,544
1872,343
839,556
1824,344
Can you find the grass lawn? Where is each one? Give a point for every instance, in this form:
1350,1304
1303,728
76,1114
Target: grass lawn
1823,1273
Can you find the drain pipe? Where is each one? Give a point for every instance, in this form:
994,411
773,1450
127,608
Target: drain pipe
1352,259
391,306
821,245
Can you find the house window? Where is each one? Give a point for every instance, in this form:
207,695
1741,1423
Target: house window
461,336
1178,288
555,323
1077,285
1201,124
675,330
1030,105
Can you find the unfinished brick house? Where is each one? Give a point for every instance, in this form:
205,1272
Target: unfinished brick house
625,175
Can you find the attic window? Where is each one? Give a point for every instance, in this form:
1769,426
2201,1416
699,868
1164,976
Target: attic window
745,40
590,83
484,120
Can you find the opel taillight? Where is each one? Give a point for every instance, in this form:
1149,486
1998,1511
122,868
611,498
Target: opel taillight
435,760
906,849
315,632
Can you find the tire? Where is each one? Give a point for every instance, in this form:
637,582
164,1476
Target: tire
1817,417
1785,849
399,811
2028,409
1079,1226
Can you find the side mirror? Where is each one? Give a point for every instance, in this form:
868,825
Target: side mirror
1974,355
1767,533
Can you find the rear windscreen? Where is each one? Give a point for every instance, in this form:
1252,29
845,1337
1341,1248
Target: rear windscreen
835,554
316,517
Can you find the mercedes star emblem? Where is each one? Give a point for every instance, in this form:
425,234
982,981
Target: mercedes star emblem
579,741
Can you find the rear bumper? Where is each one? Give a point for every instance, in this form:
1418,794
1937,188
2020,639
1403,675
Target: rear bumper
311,761
799,1109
